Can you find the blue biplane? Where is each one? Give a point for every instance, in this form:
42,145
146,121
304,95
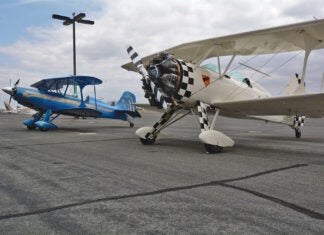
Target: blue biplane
49,97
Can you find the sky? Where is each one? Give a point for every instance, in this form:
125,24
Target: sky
33,46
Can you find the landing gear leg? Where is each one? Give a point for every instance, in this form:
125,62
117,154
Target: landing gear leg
148,135
204,126
297,132
298,122
129,119
30,123
214,141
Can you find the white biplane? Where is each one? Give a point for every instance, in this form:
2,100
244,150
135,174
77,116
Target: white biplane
175,80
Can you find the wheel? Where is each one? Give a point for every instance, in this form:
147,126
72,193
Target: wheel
297,132
31,127
43,129
213,148
147,141
131,124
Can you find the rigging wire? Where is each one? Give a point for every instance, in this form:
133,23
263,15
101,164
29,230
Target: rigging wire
266,62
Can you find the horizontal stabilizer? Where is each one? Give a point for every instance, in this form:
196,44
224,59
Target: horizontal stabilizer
134,114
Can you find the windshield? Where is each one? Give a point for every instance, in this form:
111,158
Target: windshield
234,74
211,67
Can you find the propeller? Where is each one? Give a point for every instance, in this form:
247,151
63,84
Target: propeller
151,91
11,90
16,83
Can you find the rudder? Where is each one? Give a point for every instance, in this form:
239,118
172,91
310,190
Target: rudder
295,86
126,102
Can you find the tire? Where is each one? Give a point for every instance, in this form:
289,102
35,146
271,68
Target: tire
297,132
213,148
31,127
43,129
147,141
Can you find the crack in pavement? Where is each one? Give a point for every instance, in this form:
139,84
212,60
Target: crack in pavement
223,183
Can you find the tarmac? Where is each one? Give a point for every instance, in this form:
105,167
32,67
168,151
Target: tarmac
93,176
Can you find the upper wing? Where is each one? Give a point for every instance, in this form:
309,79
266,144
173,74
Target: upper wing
310,105
294,37
58,83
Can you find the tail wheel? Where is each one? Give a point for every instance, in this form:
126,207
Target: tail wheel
147,141
213,148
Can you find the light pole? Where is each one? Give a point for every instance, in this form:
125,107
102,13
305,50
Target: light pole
67,21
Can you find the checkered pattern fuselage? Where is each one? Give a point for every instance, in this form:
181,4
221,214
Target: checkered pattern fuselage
187,82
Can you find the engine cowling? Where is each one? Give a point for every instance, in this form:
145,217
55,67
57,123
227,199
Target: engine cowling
175,78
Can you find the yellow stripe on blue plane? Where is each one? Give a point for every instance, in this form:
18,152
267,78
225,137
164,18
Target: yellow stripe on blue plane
50,99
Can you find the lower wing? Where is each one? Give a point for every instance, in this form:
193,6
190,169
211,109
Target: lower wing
310,105
82,112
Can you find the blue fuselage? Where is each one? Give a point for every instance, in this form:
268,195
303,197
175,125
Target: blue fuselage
58,103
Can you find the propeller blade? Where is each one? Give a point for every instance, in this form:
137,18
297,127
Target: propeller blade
146,77
17,82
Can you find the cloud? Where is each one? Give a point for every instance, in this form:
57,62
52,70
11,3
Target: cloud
149,26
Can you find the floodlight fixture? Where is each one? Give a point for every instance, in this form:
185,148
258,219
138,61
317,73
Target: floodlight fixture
71,20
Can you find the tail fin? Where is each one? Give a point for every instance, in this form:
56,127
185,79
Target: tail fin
127,103
295,86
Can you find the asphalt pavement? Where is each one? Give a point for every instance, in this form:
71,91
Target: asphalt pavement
93,176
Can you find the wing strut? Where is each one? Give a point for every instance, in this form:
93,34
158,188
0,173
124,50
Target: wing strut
219,63
229,65
204,56
82,104
310,44
95,94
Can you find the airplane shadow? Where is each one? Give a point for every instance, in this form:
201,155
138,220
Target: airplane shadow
92,129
